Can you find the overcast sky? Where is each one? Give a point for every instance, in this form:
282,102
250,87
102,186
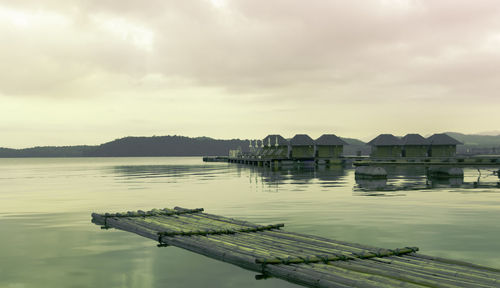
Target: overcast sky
89,71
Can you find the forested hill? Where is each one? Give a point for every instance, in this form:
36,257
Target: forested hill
167,146
476,140
136,146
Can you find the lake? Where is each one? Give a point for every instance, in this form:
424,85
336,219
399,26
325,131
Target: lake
48,239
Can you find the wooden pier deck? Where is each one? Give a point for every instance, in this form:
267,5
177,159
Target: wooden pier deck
303,259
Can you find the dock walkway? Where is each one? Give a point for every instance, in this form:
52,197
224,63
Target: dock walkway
302,259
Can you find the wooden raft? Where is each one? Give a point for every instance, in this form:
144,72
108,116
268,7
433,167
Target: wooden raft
303,259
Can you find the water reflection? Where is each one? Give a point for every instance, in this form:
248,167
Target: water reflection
399,178
141,172
402,178
323,176
172,171
51,243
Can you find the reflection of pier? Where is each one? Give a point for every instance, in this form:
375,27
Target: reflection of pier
397,178
457,161
401,178
326,176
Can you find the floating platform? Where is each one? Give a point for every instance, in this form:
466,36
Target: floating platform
299,258
215,159
457,161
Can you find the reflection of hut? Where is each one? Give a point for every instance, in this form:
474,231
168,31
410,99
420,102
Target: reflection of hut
302,147
275,147
414,145
442,145
329,146
386,145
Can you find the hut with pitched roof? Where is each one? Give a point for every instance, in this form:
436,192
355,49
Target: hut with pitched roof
386,145
275,147
329,146
301,147
414,145
442,145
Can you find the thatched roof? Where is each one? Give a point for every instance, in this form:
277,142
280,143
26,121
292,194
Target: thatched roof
330,140
414,139
443,139
275,137
301,140
385,140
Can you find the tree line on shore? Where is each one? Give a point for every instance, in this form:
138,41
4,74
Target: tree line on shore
196,146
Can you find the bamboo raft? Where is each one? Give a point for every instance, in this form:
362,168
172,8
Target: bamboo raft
302,259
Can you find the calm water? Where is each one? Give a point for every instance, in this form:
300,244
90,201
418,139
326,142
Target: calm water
48,240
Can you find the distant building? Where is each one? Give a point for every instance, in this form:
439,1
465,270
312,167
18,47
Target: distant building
386,145
275,147
442,145
301,147
414,145
329,146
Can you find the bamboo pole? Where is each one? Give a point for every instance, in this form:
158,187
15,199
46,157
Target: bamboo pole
228,220
349,278
208,221
234,242
290,274
388,270
453,267
220,231
185,222
295,245
446,271
372,279
458,262
314,241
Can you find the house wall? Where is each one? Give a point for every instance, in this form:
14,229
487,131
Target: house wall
443,150
302,151
386,151
329,151
415,151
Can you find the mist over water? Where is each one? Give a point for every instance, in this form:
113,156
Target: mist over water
48,239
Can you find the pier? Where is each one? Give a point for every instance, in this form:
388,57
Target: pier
307,260
328,150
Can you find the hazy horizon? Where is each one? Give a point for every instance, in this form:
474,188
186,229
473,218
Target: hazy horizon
364,139
87,72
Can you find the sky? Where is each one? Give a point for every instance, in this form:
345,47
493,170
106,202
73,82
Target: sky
90,71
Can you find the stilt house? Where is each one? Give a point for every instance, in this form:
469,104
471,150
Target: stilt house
386,145
329,146
414,145
442,145
301,147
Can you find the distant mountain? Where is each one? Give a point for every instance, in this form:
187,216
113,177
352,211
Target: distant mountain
490,133
352,141
476,140
48,151
136,146
167,146
355,147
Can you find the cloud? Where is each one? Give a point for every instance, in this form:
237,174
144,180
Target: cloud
250,46
282,58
